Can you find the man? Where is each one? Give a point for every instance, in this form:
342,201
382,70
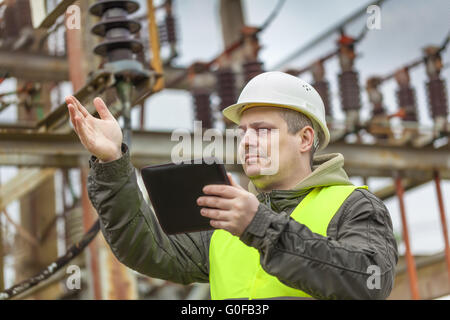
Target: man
303,231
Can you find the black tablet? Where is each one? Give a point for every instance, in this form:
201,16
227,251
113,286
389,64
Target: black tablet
174,188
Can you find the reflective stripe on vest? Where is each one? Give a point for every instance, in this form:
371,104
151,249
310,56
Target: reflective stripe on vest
235,271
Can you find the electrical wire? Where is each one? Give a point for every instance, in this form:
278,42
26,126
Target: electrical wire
324,36
51,269
273,15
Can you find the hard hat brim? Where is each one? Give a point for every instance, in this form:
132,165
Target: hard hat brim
233,113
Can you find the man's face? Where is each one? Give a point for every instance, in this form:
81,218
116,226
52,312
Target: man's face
267,150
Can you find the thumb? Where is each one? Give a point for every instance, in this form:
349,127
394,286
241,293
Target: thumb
233,183
102,109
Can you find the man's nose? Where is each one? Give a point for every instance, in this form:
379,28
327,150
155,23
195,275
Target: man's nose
250,139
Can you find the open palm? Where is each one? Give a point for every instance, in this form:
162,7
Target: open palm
101,137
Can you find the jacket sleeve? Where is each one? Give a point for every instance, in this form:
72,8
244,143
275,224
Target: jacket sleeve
132,231
359,263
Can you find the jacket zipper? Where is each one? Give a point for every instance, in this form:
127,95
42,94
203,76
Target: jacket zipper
267,199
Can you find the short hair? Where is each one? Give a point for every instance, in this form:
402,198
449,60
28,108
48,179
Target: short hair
295,122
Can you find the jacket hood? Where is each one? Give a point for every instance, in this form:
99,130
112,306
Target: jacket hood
327,170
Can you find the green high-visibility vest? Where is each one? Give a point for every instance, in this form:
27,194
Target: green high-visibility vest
235,270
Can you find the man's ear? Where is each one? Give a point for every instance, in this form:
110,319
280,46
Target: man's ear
306,136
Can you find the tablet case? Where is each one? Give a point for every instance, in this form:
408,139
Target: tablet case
174,188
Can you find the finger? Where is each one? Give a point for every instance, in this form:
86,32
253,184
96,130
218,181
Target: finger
233,183
83,130
73,115
81,123
221,190
214,202
79,116
214,214
79,106
68,100
102,109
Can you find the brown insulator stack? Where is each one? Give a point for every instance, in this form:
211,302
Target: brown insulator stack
226,87
436,89
323,89
349,90
168,30
320,84
202,107
406,100
252,69
406,97
348,82
437,98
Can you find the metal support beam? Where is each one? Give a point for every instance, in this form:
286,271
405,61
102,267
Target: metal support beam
59,10
34,67
42,68
25,181
390,191
64,150
384,160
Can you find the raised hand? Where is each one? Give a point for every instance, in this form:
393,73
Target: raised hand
101,137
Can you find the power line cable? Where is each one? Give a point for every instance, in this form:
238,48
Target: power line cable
323,36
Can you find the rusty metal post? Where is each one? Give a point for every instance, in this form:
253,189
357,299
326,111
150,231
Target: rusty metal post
410,263
119,282
92,255
75,58
437,182
76,54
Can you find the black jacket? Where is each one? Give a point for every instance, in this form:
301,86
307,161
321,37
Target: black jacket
356,260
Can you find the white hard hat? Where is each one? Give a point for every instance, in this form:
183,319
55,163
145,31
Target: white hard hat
283,90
